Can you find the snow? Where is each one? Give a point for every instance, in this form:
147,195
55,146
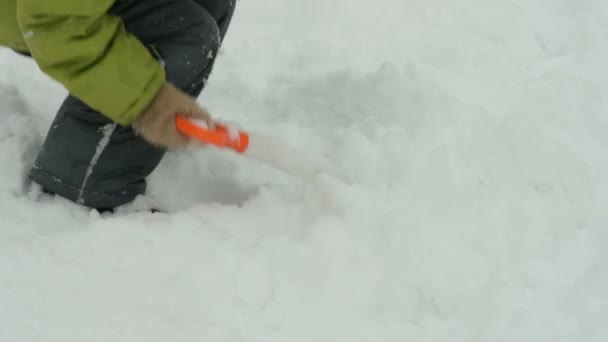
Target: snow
471,141
200,122
234,131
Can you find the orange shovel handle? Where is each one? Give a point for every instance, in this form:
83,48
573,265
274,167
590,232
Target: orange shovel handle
219,137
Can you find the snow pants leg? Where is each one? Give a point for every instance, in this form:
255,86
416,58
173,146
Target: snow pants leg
91,160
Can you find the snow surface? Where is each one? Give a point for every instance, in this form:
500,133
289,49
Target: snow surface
472,136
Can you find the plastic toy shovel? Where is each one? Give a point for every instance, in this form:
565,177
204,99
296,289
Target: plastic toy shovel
221,136
259,147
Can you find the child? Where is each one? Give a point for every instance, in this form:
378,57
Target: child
130,66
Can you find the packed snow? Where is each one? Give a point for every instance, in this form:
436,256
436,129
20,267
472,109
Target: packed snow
467,197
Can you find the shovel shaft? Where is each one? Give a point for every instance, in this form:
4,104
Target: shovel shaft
219,137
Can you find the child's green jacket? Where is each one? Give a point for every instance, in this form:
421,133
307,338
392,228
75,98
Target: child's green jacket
86,49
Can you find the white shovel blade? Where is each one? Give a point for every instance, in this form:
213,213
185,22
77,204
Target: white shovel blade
280,156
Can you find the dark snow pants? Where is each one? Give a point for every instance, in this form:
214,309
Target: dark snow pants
91,160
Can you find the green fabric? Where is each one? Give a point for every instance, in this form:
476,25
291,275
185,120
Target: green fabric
10,34
87,50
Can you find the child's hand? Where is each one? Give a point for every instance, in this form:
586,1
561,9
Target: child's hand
156,123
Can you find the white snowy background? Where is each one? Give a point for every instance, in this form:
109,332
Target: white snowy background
471,140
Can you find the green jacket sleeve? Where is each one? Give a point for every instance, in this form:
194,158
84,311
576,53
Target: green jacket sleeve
88,51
